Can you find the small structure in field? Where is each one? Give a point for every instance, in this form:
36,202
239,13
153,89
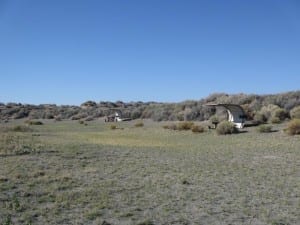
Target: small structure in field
235,113
116,117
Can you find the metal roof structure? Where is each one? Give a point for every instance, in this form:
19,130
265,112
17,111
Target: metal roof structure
236,113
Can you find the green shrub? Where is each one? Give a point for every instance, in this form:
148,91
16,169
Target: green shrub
80,121
185,125
293,127
226,127
139,124
197,129
264,128
295,113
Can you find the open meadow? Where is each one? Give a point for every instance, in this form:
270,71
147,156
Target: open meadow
71,173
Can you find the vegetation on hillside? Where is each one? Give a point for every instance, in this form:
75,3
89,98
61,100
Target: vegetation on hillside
262,108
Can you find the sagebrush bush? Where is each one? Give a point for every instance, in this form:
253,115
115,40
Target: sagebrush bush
264,128
260,118
185,125
226,127
197,129
295,113
275,119
293,127
280,113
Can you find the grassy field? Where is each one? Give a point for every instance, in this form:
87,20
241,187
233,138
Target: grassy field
70,173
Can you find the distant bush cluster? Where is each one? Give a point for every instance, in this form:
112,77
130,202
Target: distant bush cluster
262,108
184,126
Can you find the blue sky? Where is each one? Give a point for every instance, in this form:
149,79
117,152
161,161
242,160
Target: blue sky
69,51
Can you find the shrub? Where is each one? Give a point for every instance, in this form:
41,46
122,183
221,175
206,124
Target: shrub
170,126
20,128
166,126
264,129
33,122
260,118
113,127
275,119
293,127
197,129
80,121
266,113
280,113
185,125
139,124
226,127
295,113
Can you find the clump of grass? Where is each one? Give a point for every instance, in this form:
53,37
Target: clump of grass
171,126
293,127
226,127
20,128
185,125
166,126
113,127
80,121
34,122
264,128
139,124
197,129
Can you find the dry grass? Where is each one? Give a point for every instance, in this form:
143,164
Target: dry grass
95,175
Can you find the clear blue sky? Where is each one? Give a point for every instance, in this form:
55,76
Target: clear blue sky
70,51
